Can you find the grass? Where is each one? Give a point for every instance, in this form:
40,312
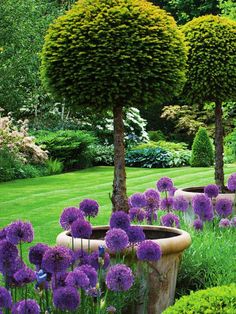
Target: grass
41,200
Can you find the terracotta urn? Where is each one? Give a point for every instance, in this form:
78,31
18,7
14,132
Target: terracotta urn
162,275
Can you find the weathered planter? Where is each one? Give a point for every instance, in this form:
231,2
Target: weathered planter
188,193
162,274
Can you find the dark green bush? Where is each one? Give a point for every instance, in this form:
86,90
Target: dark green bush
217,300
202,150
70,147
103,155
156,136
53,166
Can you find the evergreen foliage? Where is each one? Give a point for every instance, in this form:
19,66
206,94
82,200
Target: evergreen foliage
202,151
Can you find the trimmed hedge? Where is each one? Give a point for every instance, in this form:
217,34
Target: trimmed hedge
70,147
217,300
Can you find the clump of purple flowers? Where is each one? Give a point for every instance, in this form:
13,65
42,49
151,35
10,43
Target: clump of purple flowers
202,207
165,184
135,234
36,253
119,278
120,219
116,240
170,220
66,298
89,207
180,203
5,298
198,224
211,190
149,251
69,215
137,214
81,229
19,231
224,207
232,182
138,200
224,223
56,259
28,306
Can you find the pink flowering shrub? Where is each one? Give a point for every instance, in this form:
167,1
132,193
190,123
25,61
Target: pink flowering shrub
15,138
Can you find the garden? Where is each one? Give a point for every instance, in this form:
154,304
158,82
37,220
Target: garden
117,157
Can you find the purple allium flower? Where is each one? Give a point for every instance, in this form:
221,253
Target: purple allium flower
135,234
3,234
224,223
232,182
170,220
56,259
20,231
96,262
137,214
69,215
94,292
151,216
89,207
198,224
120,219
233,222
8,255
172,191
167,203
24,275
211,190
119,278
78,279
137,200
81,257
153,198
36,253
149,251
81,229
66,298
180,203
59,280
164,184
116,240
5,298
224,207
202,207
91,273
110,309
28,306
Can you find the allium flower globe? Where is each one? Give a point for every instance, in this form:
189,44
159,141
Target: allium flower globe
119,278
138,200
232,182
5,298
135,234
24,276
81,257
3,234
8,256
59,280
167,203
172,191
165,184
28,306
211,190
56,259
198,224
69,215
180,203
202,207
224,207
224,223
20,231
78,279
120,219
66,299
153,198
89,207
116,240
36,253
170,220
91,274
151,216
81,229
137,214
149,251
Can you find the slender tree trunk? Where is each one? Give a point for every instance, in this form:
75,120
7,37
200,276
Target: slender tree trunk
219,146
119,197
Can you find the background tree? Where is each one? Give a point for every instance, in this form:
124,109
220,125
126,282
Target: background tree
211,75
113,54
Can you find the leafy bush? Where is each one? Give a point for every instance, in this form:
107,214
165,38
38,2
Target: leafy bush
53,166
202,150
220,300
70,147
103,155
156,135
169,146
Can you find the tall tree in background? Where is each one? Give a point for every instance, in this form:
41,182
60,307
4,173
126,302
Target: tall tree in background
112,54
211,74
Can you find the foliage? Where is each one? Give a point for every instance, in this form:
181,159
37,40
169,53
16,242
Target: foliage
202,150
72,148
103,155
106,71
228,8
156,158
53,166
230,145
213,300
210,37
14,136
156,136
185,10
169,146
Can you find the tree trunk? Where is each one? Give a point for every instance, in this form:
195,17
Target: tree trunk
119,197
219,146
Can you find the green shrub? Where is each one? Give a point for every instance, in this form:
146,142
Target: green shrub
202,150
103,155
217,300
53,166
156,136
70,147
169,146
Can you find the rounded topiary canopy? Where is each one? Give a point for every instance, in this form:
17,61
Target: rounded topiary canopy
106,53
211,74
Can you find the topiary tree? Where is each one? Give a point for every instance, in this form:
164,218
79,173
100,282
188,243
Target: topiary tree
202,151
111,54
211,75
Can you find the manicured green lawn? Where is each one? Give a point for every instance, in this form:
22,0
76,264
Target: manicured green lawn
41,200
